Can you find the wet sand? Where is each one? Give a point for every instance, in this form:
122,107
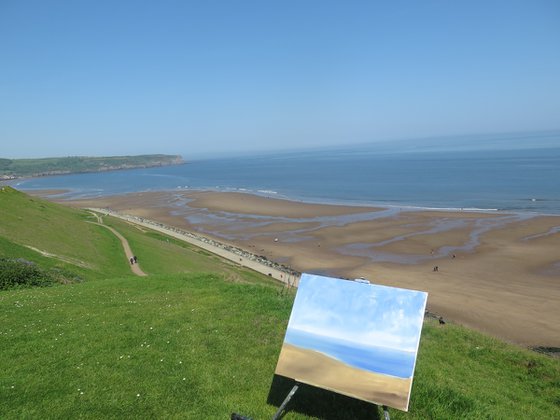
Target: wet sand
316,369
498,273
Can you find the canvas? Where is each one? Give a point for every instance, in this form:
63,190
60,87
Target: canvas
354,338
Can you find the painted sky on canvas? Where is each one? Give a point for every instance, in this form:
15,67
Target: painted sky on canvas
213,77
364,314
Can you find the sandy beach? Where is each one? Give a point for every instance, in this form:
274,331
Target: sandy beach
496,272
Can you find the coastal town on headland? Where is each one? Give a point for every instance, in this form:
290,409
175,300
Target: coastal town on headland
23,168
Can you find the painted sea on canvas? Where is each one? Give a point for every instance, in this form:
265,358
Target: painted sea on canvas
516,173
388,361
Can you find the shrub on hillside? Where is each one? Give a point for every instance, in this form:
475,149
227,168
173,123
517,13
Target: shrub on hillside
21,273
63,276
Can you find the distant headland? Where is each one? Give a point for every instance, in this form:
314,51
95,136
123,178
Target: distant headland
19,168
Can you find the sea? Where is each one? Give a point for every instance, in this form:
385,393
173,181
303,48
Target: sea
382,360
510,173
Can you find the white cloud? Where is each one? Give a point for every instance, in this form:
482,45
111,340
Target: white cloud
361,313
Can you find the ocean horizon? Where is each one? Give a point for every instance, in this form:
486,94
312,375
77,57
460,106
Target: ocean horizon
377,359
471,175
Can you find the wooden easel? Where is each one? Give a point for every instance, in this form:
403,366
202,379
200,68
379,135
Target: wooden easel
282,407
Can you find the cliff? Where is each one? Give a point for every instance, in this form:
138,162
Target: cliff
17,168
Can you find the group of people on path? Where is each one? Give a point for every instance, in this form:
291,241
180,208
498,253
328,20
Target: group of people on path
133,260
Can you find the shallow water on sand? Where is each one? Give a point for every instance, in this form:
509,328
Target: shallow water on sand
519,180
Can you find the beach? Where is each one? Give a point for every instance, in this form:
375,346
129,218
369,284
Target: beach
495,272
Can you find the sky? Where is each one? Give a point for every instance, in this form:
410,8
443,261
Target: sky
365,314
215,77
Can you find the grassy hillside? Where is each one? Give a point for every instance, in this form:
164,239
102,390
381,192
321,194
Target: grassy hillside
199,338
47,228
31,227
162,254
198,346
59,165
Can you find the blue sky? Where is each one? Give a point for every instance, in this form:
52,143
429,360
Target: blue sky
213,77
359,313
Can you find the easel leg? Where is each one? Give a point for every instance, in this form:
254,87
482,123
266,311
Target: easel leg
386,413
285,402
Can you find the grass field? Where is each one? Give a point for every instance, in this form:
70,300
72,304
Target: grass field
199,338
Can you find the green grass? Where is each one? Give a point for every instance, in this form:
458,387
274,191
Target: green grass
198,346
92,251
464,374
61,231
199,338
9,249
159,254
191,346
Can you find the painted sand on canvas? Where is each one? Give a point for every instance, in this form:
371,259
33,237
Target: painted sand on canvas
356,339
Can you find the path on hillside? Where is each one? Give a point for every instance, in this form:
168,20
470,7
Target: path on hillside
128,252
66,259
233,254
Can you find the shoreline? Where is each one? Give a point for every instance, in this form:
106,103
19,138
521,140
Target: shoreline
498,272
54,194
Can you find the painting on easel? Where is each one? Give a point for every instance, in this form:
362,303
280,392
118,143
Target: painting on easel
354,338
